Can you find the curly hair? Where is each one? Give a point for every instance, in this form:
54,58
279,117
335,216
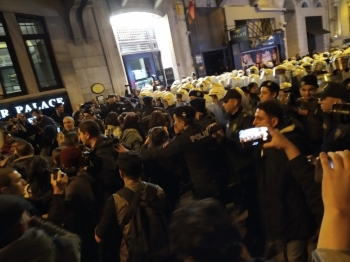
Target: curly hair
131,120
38,173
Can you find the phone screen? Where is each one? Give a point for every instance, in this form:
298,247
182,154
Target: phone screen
58,129
253,134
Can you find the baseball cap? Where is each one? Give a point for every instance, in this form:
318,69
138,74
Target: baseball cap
187,112
231,94
309,80
11,210
334,90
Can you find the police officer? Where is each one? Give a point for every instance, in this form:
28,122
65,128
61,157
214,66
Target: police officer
202,115
205,161
149,107
311,115
336,134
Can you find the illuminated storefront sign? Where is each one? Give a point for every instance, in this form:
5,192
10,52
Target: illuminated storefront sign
46,104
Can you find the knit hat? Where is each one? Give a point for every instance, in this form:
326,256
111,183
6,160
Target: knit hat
71,157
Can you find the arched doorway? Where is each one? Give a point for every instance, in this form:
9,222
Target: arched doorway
145,44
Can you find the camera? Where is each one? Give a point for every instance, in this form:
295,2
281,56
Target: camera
341,113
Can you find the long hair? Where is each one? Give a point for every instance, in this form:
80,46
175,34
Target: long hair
157,118
38,173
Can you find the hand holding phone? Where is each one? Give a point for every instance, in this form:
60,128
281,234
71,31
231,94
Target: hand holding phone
254,135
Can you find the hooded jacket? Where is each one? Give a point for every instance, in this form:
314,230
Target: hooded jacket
282,198
132,139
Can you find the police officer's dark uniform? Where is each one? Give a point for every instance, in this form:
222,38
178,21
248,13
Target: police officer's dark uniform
205,161
336,135
311,117
128,107
205,119
170,110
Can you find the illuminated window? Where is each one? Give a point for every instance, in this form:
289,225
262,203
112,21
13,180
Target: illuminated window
11,81
40,52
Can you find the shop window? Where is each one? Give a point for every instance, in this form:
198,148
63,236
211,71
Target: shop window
40,52
11,81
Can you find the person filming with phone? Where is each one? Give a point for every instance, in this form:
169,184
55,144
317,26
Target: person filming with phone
282,199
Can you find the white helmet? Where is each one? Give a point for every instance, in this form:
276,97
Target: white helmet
233,81
185,81
174,88
244,81
168,98
145,93
184,95
204,85
147,87
208,99
253,70
240,73
159,94
218,90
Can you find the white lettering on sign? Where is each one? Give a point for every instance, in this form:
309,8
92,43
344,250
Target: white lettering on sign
60,100
199,136
28,109
51,102
19,109
4,113
44,105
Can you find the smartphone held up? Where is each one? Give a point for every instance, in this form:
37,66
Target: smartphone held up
254,135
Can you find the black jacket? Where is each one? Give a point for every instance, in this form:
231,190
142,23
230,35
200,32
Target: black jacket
35,245
103,166
282,198
171,110
147,110
336,136
207,119
204,157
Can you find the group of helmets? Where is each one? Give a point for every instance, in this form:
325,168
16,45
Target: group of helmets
215,86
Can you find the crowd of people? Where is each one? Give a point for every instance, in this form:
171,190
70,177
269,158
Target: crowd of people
157,176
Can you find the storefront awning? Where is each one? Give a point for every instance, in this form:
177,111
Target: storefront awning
317,31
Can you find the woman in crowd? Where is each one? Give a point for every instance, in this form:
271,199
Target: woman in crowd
112,125
131,137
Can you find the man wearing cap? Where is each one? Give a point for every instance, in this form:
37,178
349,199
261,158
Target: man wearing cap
336,135
204,158
202,115
42,242
310,113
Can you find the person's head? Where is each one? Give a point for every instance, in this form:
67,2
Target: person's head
59,108
269,90
199,105
12,129
11,182
13,145
56,156
23,148
269,114
308,87
184,116
68,123
130,165
78,116
14,218
71,159
89,114
213,234
131,120
333,93
89,131
112,119
157,118
38,173
147,100
258,57
231,101
157,136
111,98
36,113
253,88
71,139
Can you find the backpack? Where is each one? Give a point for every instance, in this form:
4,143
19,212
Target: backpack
148,235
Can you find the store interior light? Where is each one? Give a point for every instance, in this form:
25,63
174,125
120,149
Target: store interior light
335,36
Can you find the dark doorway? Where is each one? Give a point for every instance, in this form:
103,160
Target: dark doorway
315,32
216,62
